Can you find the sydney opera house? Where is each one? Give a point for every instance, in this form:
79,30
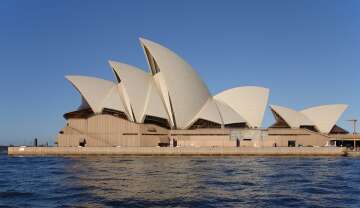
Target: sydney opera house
169,105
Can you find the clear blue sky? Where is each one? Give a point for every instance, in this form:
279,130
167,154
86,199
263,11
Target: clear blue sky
307,52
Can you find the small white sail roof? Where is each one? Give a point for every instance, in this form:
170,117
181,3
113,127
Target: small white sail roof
209,112
293,118
249,102
325,116
98,93
229,115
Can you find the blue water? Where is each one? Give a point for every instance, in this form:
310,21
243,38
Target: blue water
101,181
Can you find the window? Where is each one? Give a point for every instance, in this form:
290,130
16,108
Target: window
291,143
117,76
236,125
115,113
202,123
162,122
280,122
153,65
311,128
84,113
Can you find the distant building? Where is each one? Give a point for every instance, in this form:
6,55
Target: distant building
171,106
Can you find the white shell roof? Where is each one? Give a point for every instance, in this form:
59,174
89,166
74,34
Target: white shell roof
95,91
113,100
164,94
293,118
322,117
325,116
154,105
187,91
229,115
174,91
249,102
141,90
209,112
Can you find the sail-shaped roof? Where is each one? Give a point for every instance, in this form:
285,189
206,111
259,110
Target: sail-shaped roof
187,93
292,117
325,116
98,93
174,92
143,97
249,102
229,115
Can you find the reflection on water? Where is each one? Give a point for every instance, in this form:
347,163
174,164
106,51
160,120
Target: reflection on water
179,181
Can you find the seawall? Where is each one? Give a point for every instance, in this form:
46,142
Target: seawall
181,151
353,153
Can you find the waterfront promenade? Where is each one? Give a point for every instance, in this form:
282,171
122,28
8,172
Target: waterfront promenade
181,151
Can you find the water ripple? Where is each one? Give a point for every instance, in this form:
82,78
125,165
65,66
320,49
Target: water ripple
179,181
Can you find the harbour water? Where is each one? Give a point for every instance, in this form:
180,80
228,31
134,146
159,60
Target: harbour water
116,181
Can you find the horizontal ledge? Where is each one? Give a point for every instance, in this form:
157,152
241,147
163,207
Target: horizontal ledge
181,151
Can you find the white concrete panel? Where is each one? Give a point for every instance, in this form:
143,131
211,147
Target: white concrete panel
325,116
136,83
126,101
143,96
250,102
164,93
228,114
293,118
187,91
93,90
114,101
154,105
208,112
